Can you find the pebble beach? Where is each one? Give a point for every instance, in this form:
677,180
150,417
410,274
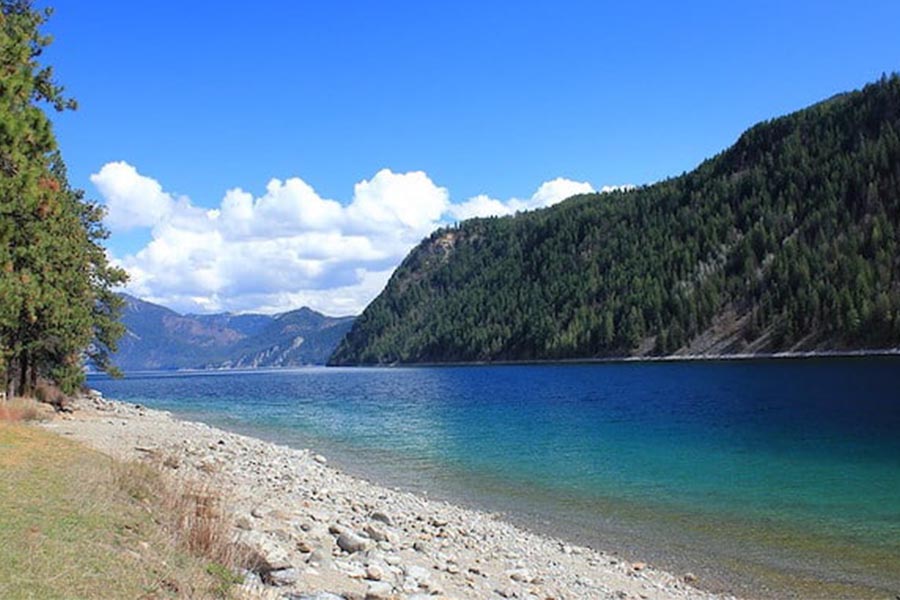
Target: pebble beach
320,534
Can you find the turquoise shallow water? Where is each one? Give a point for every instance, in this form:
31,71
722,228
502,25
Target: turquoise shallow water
769,477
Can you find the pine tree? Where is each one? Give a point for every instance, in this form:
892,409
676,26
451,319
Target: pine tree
56,302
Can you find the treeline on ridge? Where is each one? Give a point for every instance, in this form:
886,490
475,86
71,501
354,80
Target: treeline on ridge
788,239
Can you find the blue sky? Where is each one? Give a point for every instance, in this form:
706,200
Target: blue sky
380,121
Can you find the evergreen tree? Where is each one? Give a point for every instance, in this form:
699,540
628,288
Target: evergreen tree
56,302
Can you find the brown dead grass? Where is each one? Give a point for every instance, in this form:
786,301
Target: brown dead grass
49,393
190,511
19,409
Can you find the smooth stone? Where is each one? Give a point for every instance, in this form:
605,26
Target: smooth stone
376,534
382,517
380,590
520,575
374,573
321,557
350,542
336,529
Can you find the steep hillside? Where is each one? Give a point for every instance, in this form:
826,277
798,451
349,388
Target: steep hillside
299,337
785,241
159,338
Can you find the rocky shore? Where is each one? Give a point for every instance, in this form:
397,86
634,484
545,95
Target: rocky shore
319,534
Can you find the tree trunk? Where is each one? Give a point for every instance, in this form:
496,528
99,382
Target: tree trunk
24,366
11,380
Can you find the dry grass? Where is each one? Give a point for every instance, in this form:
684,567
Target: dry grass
19,409
48,393
75,524
190,511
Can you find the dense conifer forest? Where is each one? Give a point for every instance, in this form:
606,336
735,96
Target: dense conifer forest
57,308
785,241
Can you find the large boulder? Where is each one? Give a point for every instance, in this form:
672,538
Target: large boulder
263,553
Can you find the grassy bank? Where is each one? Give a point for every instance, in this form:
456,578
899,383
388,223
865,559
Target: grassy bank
75,524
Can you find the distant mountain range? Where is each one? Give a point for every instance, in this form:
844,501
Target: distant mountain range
159,338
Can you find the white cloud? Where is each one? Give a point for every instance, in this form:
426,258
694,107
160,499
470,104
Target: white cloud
627,187
408,200
552,192
132,200
289,247
548,194
481,206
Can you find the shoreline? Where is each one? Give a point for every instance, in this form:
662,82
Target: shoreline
669,358
327,531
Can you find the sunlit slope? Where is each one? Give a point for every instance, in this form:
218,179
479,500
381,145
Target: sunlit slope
785,241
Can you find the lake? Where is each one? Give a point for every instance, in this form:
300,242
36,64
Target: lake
769,477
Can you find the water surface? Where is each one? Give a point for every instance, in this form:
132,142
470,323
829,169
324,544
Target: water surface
772,478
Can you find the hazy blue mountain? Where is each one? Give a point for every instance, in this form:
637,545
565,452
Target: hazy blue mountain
160,338
298,337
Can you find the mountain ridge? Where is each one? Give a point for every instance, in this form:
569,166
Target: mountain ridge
785,241
159,338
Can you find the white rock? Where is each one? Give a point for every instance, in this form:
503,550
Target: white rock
380,590
350,542
374,572
417,573
265,553
282,577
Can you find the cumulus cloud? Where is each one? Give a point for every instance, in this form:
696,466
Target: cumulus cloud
132,200
548,194
289,247
388,200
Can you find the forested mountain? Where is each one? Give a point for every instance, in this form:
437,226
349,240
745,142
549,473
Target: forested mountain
160,338
785,241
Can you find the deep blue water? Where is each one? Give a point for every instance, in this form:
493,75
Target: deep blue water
744,471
